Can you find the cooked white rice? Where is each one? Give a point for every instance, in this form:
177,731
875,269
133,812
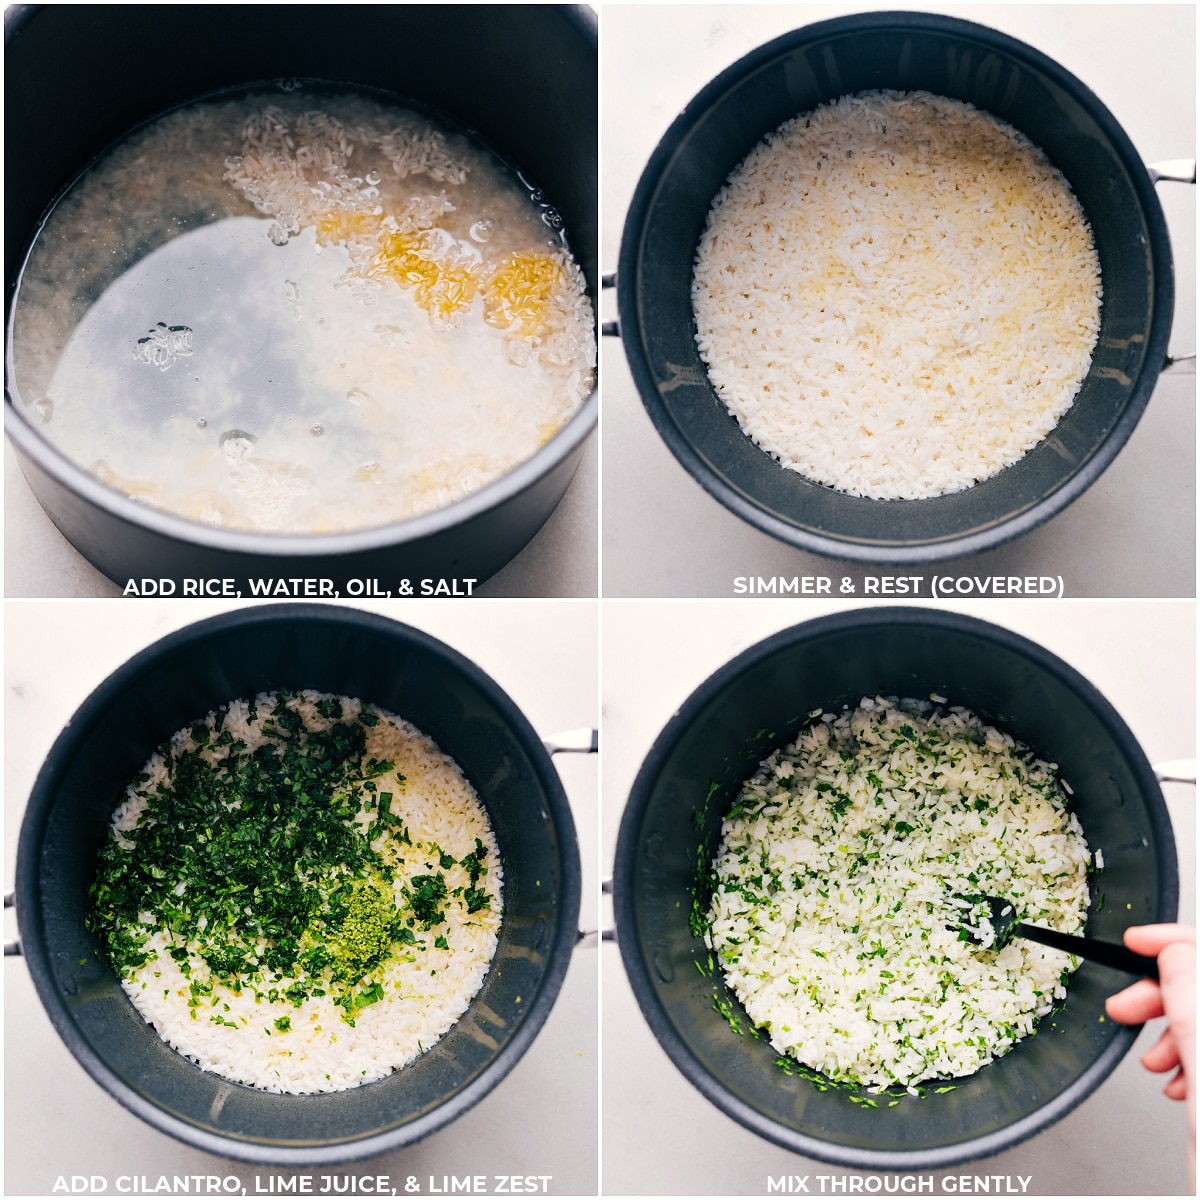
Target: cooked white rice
896,295
426,988
833,913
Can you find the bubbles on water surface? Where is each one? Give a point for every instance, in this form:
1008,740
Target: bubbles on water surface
482,231
316,430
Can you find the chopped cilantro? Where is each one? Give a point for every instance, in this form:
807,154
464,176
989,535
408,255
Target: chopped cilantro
276,868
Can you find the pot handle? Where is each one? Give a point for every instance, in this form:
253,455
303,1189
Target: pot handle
1178,770
576,741
13,947
593,937
609,934
573,741
1181,364
1175,170
610,328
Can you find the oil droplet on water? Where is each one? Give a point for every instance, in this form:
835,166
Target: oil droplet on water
317,430
44,408
236,444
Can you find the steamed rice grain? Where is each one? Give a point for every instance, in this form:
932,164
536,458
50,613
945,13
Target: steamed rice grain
896,295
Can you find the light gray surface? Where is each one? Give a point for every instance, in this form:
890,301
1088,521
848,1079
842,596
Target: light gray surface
1131,534
561,560
661,1137
541,1120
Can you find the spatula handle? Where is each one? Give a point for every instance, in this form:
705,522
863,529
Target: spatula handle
1102,952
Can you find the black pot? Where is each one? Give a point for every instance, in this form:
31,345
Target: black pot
88,74
794,74
345,652
671,827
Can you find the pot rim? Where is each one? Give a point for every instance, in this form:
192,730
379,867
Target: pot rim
638,969
879,550
28,880
393,535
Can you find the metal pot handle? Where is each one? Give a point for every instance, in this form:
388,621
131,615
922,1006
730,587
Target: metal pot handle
609,934
576,741
573,741
1178,770
610,328
1175,170
11,947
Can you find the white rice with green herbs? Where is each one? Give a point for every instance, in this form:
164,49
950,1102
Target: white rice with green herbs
833,913
368,827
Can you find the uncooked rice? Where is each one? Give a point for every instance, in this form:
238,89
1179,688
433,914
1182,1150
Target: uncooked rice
896,295
426,988
834,913
301,312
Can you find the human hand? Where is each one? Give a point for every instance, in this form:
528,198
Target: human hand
1174,996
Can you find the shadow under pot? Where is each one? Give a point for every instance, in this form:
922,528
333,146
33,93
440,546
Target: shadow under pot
172,684
61,63
905,52
757,703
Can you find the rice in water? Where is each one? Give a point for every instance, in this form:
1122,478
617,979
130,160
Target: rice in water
896,295
301,312
300,892
833,911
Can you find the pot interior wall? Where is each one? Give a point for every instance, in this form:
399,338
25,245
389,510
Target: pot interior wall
793,75
403,672
757,704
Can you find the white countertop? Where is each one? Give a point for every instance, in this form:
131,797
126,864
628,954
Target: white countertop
540,1120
